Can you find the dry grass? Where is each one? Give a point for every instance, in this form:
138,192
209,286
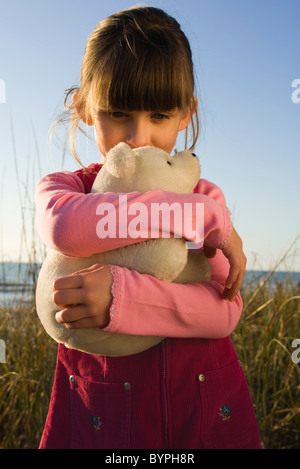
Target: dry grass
263,339
26,378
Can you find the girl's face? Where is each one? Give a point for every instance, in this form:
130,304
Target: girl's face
138,128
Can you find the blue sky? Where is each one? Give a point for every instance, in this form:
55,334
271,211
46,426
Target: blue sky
246,56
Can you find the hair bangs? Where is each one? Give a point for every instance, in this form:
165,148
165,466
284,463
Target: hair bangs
155,81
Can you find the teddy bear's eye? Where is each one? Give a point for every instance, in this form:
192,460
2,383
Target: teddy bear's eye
169,162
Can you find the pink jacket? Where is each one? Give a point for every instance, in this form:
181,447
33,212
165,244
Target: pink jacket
142,304
184,393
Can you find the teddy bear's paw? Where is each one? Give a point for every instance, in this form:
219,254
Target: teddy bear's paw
162,258
197,269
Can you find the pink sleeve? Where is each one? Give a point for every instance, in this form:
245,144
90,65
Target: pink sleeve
144,305
66,217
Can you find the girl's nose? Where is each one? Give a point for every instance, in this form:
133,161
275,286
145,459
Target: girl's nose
138,135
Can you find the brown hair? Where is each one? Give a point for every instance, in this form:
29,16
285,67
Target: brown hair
137,59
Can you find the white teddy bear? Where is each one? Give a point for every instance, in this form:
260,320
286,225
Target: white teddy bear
126,170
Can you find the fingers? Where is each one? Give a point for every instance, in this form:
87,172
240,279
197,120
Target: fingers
230,293
68,296
70,315
84,298
235,279
74,280
68,291
76,317
209,252
70,281
237,260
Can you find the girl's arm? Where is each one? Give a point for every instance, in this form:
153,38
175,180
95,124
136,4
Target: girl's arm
120,300
140,304
66,217
143,305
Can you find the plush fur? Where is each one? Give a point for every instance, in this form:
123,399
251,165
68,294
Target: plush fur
126,170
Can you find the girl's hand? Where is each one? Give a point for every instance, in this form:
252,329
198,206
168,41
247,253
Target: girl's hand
84,298
237,259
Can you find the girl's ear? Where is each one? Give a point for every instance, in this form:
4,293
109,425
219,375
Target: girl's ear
79,109
187,115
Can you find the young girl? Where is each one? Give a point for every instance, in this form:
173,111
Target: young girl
137,86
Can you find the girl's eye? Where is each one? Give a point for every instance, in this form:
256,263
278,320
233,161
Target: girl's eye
160,116
116,114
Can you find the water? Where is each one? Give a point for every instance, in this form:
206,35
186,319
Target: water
255,276
17,280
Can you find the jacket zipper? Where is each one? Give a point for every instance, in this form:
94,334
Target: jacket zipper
165,392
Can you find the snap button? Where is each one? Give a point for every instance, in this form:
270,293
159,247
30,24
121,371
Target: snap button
127,386
201,378
72,379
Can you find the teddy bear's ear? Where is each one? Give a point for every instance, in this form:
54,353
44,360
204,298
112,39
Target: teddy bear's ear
120,160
